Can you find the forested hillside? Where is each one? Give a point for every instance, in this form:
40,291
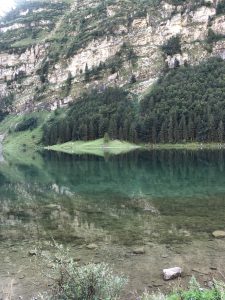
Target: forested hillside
146,71
186,104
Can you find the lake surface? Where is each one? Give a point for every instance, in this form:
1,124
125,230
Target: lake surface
170,202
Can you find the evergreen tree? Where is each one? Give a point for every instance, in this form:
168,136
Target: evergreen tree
221,131
170,130
113,128
106,138
211,129
163,133
183,129
191,130
86,74
91,131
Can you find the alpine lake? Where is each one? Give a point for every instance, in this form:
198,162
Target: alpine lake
166,202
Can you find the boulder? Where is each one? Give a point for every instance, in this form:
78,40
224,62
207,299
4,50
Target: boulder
172,273
219,234
32,252
139,250
92,246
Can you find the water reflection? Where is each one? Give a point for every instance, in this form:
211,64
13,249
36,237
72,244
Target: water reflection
135,198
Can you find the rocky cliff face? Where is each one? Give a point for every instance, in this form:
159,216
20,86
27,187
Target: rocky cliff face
51,51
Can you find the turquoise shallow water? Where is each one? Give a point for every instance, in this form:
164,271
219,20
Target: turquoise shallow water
165,196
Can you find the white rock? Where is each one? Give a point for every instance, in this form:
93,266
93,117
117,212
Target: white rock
218,234
172,273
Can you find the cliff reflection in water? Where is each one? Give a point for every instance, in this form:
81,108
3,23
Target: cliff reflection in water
139,197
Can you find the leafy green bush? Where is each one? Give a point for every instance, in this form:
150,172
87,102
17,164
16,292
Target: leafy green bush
89,282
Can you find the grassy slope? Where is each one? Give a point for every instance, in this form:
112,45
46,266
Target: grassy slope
96,147
16,143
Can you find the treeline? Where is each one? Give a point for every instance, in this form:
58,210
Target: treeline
110,110
186,105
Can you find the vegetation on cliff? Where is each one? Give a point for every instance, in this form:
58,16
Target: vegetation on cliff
185,105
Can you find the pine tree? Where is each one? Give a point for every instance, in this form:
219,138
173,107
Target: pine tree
154,130
113,128
211,129
86,74
121,133
83,132
126,129
191,130
163,133
91,131
106,138
170,130
68,134
101,127
133,79
183,129
221,131
176,130
74,132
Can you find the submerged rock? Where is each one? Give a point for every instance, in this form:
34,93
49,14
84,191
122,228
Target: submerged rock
32,252
172,273
219,234
139,250
92,246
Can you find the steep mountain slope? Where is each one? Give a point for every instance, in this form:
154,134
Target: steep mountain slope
51,51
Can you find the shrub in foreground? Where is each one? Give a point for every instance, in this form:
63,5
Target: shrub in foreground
88,282
195,292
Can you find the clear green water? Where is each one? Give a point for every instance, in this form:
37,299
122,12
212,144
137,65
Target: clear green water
168,202
160,196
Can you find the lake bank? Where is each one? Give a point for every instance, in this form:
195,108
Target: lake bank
143,271
185,146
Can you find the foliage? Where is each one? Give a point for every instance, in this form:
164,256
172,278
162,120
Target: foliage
220,7
27,124
33,28
212,37
97,112
186,105
89,282
106,138
43,71
195,292
172,46
5,105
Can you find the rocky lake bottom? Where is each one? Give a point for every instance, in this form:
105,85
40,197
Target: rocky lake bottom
141,212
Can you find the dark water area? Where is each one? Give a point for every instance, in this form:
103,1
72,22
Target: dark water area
161,200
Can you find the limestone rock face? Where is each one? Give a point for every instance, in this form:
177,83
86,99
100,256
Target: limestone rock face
112,41
218,25
12,64
203,14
